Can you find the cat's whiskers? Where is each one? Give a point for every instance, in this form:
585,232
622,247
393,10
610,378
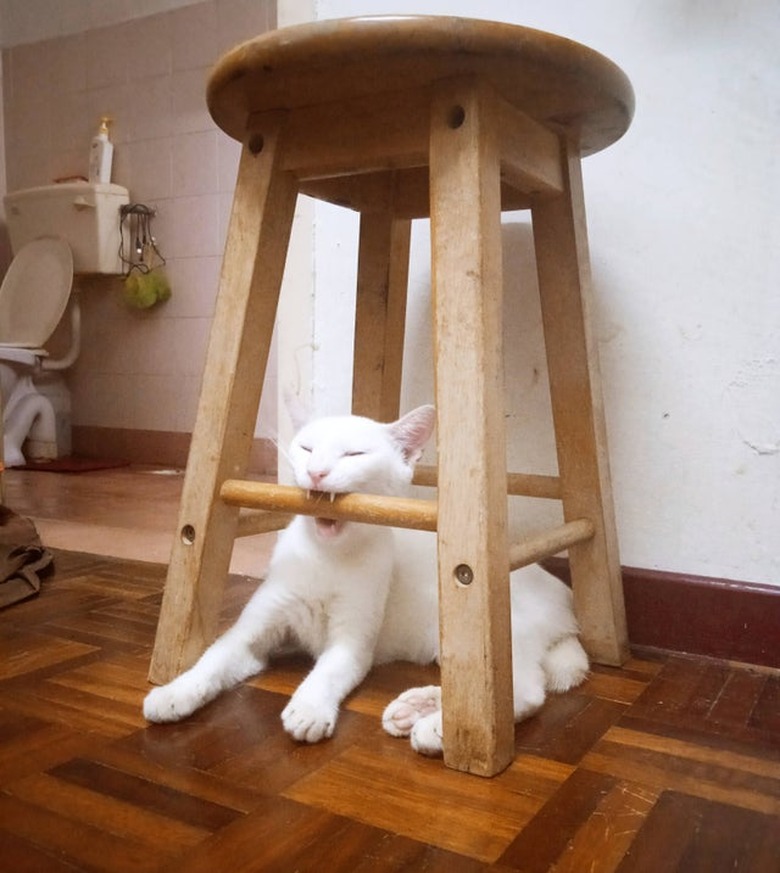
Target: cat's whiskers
282,449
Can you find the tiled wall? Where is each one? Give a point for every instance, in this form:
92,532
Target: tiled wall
139,371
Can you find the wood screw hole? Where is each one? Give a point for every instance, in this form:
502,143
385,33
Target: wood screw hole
464,574
188,534
456,117
256,143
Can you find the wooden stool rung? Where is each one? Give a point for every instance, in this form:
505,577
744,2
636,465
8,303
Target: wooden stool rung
277,503
549,543
253,521
517,484
368,508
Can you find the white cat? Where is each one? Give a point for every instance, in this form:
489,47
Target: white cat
353,595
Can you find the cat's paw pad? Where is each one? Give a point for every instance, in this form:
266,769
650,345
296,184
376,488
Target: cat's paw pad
169,703
401,715
307,722
426,736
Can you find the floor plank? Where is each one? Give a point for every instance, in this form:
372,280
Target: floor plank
669,764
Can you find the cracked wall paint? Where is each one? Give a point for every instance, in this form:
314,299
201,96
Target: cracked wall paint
753,401
682,233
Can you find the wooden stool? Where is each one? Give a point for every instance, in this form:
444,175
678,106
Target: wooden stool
400,118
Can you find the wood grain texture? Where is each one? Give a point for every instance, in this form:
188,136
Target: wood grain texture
563,267
556,81
533,548
239,345
671,764
471,435
380,315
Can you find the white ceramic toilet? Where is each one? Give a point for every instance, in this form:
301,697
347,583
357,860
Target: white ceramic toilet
33,298
56,231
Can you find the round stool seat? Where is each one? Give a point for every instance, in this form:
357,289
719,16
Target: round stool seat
558,82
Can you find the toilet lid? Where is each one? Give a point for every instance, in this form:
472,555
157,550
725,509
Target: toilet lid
35,292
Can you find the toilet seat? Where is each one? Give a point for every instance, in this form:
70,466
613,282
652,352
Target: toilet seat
25,356
35,293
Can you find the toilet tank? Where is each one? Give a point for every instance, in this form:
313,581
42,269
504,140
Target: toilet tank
85,214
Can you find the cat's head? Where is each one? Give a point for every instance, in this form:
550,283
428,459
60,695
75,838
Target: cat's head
350,453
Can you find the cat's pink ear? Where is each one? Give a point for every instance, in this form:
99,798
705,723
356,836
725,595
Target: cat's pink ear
413,431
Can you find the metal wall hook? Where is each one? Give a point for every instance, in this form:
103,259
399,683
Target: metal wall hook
136,219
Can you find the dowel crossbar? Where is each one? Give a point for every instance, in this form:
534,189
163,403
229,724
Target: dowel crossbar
517,484
549,543
279,502
367,508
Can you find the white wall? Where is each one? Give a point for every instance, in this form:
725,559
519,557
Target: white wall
683,228
295,315
25,21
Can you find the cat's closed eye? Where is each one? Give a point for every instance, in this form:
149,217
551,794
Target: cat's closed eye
305,449
356,454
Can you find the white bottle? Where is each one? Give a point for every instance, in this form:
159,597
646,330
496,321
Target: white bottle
101,154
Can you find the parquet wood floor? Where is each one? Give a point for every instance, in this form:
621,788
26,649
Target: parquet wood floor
670,764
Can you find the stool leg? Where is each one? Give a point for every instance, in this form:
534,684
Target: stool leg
241,332
383,272
560,238
476,658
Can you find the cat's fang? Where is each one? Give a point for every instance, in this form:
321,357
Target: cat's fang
332,496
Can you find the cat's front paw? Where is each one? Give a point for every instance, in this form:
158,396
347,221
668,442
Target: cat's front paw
170,703
308,722
401,715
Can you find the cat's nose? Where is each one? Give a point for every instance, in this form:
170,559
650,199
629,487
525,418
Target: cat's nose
316,476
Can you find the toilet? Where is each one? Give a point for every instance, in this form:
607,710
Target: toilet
58,234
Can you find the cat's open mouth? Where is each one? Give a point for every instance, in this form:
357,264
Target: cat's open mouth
327,528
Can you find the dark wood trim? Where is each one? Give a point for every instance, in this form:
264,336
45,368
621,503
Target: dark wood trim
699,615
166,448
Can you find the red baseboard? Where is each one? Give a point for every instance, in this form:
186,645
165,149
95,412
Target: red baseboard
698,615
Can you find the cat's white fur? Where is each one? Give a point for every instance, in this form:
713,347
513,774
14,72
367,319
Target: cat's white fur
353,595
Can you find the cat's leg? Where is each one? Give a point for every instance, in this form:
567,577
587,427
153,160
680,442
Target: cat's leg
565,664
239,653
313,710
401,714
223,665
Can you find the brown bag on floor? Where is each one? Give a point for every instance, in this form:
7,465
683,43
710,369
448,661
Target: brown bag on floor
22,558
